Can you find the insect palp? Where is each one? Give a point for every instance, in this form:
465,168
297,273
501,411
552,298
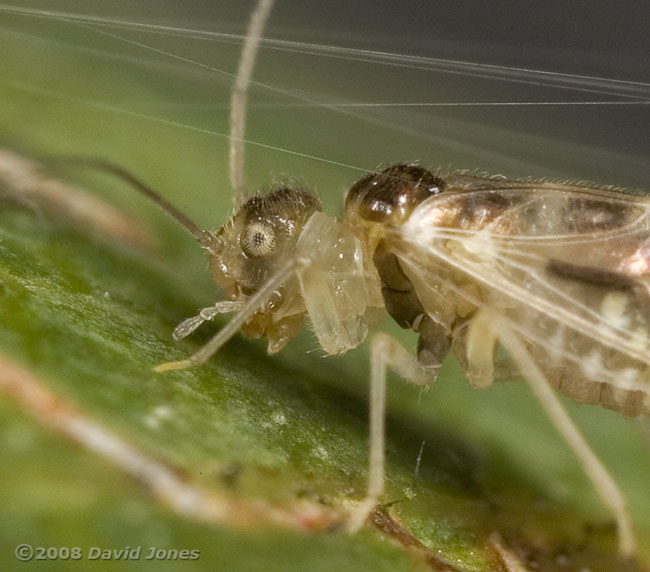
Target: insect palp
186,327
251,305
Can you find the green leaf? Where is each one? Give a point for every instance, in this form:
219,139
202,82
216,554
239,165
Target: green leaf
92,318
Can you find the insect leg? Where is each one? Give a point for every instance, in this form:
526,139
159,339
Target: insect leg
603,482
186,327
481,343
231,328
385,352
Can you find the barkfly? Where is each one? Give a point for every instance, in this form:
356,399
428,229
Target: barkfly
558,275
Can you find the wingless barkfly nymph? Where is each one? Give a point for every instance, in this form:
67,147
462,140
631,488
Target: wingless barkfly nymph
558,275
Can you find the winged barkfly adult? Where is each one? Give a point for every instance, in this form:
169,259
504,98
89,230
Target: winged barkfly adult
556,274
466,262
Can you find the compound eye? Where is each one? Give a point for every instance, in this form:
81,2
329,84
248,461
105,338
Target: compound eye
257,239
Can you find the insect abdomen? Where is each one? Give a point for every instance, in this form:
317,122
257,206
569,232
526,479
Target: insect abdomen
588,371
592,380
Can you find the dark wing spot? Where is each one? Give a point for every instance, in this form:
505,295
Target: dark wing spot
590,275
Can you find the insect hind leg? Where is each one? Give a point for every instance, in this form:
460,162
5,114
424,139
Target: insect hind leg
609,492
386,352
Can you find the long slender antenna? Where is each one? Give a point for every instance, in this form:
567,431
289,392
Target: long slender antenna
205,238
239,98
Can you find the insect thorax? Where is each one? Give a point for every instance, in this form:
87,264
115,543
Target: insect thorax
375,208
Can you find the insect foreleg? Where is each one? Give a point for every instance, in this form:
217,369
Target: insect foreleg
385,352
603,482
186,327
250,306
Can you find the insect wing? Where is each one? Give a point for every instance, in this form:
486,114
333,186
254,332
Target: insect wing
567,266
